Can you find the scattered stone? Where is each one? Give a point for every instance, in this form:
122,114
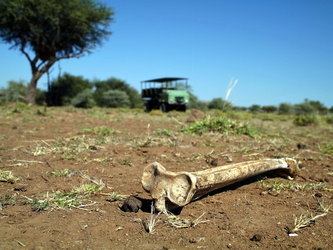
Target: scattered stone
319,195
301,166
131,204
20,188
256,238
214,162
193,240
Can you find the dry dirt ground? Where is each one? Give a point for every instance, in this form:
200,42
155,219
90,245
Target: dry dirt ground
71,170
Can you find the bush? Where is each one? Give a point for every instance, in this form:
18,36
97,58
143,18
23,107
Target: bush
84,99
219,103
304,109
255,109
329,118
285,108
117,84
15,92
269,109
115,99
63,89
305,120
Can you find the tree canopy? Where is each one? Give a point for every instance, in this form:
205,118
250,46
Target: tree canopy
64,88
48,31
116,84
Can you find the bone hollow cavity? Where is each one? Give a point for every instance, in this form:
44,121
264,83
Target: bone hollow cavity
170,190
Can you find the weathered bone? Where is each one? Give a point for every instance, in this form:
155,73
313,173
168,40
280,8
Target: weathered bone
170,190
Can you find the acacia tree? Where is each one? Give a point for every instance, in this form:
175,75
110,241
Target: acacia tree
48,31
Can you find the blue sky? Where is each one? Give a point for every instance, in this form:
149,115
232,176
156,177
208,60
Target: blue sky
279,50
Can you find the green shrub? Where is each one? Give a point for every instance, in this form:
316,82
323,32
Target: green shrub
219,103
305,120
20,107
115,99
329,118
220,125
84,99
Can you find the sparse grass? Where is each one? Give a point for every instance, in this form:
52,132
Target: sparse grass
327,148
176,222
41,112
101,131
156,112
277,186
20,107
172,220
150,141
37,205
115,196
219,125
126,162
102,160
62,173
5,200
78,197
164,132
7,176
323,207
68,148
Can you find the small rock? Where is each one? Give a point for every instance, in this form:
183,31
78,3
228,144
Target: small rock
301,166
20,188
214,162
256,238
131,204
193,240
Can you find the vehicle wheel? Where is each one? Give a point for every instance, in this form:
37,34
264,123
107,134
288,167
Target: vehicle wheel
147,107
164,107
182,108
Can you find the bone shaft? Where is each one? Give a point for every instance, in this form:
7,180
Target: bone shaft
215,178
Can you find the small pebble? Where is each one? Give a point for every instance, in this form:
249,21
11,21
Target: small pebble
256,238
319,195
214,162
131,204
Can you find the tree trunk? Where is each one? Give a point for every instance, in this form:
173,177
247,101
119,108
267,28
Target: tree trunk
36,75
32,89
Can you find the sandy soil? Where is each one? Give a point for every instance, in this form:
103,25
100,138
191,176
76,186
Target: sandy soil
111,147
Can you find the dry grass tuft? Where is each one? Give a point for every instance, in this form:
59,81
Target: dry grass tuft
149,224
176,222
307,220
7,176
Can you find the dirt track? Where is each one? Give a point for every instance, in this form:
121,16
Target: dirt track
111,148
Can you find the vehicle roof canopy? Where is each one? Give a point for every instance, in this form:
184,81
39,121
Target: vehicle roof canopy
166,79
